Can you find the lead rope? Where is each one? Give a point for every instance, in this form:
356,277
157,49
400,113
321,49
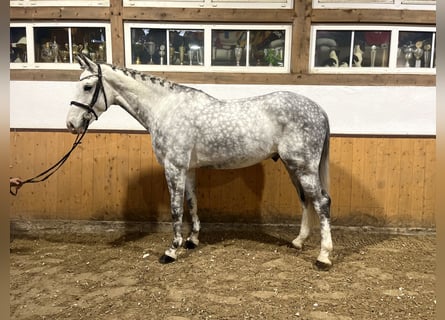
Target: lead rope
49,172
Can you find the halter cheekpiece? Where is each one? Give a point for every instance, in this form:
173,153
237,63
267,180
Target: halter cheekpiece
99,87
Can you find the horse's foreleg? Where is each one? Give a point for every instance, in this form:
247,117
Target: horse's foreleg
190,193
176,178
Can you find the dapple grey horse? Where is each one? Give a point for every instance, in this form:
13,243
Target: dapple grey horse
191,129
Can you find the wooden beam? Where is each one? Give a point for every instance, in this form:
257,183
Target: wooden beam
373,16
209,15
52,13
250,78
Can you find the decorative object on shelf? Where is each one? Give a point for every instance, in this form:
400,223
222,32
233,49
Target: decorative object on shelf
46,52
358,56
238,52
162,53
18,51
101,52
271,57
181,54
76,48
171,53
418,54
55,49
384,54
85,50
150,46
195,50
373,54
408,51
332,61
65,53
427,55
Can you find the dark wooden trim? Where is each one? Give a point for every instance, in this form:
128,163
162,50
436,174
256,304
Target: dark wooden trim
209,15
59,13
251,78
117,33
373,16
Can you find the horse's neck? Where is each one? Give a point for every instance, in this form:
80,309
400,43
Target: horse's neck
142,96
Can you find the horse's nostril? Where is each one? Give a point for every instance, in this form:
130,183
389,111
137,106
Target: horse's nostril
70,126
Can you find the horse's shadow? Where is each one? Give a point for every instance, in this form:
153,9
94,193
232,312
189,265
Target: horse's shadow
150,202
148,199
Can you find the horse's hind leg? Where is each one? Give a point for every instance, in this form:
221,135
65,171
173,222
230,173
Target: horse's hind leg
190,193
315,195
305,228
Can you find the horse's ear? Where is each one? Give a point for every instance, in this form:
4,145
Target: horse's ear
86,63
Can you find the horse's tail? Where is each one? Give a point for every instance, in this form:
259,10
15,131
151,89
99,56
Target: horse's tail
323,168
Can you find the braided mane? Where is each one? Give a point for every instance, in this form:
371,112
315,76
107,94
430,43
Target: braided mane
137,75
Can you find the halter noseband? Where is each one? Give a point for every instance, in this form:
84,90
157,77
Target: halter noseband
99,87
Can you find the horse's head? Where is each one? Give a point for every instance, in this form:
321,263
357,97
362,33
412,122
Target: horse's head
91,100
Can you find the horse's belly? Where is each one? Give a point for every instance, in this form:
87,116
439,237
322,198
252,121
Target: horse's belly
232,154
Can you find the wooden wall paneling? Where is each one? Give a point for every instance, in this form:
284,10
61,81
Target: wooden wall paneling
392,175
380,181
357,171
418,181
342,180
73,185
156,194
288,201
49,141
273,203
20,164
382,162
370,160
86,153
429,196
122,171
62,177
111,163
134,198
100,185
406,177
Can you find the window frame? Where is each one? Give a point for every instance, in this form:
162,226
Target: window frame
392,54
376,4
207,67
214,4
32,64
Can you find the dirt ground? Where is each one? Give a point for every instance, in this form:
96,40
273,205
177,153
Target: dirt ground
231,275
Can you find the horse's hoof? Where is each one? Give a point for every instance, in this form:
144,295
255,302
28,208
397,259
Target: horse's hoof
164,259
323,266
190,245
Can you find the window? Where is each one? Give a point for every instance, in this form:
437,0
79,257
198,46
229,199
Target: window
55,45
375,4
201,48
373,49
247,4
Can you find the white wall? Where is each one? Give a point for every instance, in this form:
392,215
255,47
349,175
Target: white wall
352,110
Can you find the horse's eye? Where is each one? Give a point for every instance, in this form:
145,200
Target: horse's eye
87,87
